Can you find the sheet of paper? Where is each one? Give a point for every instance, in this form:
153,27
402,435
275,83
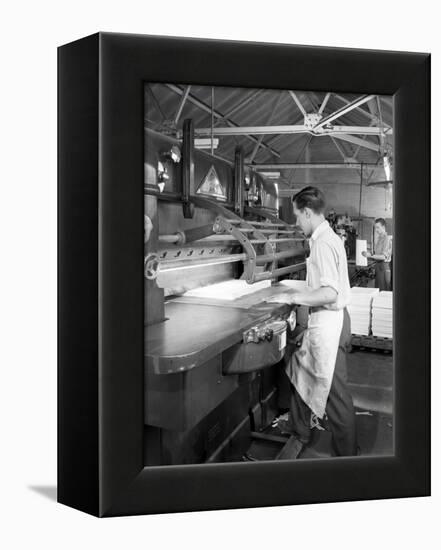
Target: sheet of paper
294,284
228,290
360,246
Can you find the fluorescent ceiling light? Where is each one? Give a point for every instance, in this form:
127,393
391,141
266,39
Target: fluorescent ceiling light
387,168
271,175
205,143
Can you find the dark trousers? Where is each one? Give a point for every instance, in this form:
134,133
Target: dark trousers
339,407
382,275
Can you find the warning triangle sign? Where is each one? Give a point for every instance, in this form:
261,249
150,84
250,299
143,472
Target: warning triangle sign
211,185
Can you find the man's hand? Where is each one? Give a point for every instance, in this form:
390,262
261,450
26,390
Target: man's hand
366,254
283,298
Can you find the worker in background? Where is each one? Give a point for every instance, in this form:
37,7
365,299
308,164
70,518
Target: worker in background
317,369
382,254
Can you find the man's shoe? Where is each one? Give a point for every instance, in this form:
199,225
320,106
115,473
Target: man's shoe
284,424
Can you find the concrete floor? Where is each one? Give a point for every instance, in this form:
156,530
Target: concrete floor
370,379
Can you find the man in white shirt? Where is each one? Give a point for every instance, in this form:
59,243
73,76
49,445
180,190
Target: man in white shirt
317,369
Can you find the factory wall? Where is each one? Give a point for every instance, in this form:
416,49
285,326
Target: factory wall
342,190
345,198
376,202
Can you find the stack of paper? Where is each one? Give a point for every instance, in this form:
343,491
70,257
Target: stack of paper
382,313
228,290
360,309
360,247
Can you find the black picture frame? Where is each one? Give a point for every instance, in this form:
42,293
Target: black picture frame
100,274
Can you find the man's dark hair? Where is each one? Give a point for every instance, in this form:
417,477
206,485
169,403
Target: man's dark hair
310,197
381,221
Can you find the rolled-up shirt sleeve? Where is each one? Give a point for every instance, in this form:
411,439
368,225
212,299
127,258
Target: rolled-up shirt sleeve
327,264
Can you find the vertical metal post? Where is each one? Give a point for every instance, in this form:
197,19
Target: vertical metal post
187,166
238,181
361,191
181,105
212,118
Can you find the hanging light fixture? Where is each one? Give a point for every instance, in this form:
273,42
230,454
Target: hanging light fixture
384,164
387,167
389,195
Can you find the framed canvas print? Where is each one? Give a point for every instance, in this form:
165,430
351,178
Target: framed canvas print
244,299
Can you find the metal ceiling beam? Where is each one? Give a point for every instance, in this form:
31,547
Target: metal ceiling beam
195,101
358,141
181,105
387,102
371,116
344,110
252,130
305,149
364,130
258,144
288,129
287,144
155,102
324,102
357,150
242,103
256,147
380,116
313,165
273,138
297,102
371,108
343,154
339,148
373,122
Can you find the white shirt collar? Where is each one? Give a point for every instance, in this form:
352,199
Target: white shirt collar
319,230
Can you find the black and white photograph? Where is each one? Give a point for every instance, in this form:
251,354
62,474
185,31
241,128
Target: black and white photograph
220,271
268,274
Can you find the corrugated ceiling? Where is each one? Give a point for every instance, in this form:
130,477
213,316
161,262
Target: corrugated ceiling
250,107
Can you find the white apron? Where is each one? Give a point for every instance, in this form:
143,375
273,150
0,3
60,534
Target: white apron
311,367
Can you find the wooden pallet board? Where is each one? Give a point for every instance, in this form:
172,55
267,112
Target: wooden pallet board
372,342
291,449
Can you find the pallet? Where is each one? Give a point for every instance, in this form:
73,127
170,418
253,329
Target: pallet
291,449
372,342
290,445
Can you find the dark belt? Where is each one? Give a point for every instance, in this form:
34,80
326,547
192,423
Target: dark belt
316,309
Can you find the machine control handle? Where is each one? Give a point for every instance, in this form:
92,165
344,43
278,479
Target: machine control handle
151,267
264,332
